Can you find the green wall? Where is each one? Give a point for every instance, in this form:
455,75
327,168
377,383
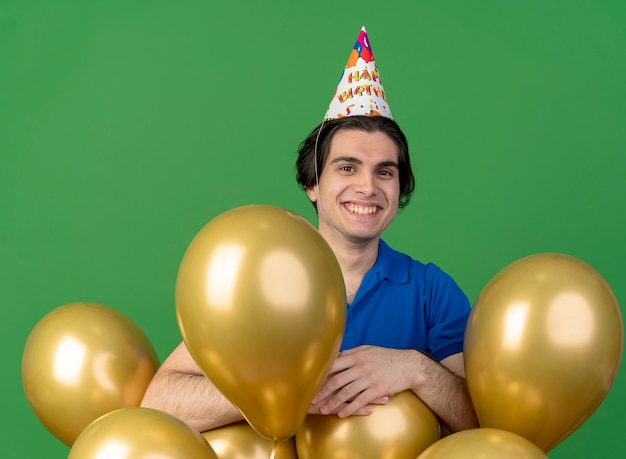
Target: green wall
125,126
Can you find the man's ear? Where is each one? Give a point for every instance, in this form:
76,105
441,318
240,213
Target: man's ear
312,193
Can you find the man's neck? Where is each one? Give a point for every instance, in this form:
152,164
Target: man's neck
357,261
355,257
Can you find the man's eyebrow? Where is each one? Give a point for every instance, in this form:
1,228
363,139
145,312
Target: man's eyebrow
346,159
389,164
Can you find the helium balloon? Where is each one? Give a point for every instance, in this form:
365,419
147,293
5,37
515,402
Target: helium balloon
261,306
400,429
140,433
240,441
542,348
83,360
483,443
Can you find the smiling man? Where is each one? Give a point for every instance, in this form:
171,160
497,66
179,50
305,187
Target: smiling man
405,319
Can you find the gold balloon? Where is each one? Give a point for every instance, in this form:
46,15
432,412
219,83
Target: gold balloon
483,443
83,360
260,302
140,433
240,441
542,347
401,429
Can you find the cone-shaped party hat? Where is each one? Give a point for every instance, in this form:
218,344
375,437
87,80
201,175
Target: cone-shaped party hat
360,90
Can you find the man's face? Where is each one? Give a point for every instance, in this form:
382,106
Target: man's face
359,187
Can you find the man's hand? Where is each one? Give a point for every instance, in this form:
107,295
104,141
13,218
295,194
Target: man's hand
359,378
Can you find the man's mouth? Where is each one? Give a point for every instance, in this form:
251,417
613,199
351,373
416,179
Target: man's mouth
361,210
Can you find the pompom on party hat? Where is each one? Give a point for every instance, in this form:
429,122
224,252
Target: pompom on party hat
360,90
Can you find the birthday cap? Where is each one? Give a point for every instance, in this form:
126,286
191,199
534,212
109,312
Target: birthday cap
360,91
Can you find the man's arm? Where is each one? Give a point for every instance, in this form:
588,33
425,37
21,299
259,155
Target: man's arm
367,373
442,386
180,388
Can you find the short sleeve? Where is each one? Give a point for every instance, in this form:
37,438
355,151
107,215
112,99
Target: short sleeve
447,312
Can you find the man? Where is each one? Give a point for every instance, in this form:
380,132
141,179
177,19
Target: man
405,320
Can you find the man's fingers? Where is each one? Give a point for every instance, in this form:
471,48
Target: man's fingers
380,400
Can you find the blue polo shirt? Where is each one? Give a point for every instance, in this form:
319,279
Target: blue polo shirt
405,304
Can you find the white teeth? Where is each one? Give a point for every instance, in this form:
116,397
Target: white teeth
361,210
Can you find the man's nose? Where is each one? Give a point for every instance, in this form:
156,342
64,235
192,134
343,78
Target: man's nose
366,184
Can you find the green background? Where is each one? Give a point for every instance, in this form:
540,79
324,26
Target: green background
125,126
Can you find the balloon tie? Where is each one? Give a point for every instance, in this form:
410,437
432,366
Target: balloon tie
274,449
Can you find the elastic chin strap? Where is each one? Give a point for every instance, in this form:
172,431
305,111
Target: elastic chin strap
317,173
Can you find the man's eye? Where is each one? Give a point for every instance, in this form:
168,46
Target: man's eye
347,168
385,172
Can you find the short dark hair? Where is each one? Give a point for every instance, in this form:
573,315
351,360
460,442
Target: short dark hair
322,136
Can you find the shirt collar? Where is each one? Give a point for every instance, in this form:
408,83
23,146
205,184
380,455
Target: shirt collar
391,264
